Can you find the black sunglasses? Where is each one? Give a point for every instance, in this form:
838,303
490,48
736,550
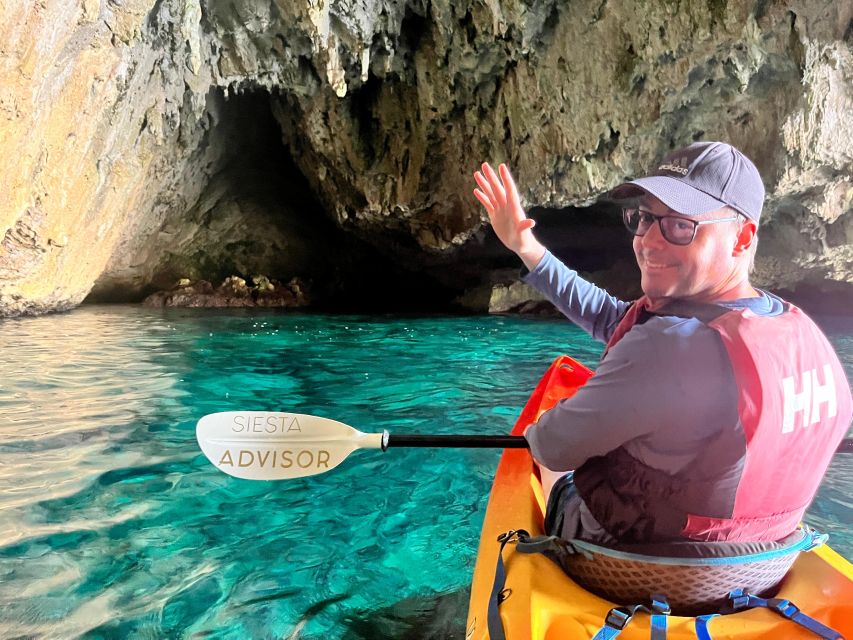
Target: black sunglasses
674,229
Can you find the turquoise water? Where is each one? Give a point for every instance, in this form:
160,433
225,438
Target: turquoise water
113,525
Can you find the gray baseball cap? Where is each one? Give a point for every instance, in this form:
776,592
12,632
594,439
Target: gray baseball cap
701,177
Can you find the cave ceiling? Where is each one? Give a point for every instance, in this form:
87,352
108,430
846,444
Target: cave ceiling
148,141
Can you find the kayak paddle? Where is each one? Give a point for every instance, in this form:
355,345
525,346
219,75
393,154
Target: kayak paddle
272,445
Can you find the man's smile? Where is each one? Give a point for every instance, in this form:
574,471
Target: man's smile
654,265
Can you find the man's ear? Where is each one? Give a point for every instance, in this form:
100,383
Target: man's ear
745,237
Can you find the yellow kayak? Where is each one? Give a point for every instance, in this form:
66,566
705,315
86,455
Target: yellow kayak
544,603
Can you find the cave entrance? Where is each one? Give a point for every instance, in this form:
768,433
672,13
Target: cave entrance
591,240
257,214
594,242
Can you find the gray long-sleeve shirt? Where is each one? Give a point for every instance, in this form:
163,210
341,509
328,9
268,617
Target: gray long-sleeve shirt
662,391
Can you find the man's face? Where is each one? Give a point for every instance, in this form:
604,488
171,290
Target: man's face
701,271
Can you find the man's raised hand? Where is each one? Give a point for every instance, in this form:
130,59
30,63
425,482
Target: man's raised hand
499,196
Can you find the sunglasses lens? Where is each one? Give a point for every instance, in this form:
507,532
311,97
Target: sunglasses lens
674,229
631,217
677,230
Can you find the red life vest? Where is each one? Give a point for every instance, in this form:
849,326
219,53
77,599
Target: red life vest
794,405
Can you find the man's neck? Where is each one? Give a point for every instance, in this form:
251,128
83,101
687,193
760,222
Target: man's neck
745,290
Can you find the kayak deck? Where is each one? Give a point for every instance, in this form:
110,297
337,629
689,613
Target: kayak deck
545,603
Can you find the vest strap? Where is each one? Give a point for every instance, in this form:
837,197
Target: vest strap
739,600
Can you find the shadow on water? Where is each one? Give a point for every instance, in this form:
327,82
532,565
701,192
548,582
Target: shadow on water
289,593
434,617
429,617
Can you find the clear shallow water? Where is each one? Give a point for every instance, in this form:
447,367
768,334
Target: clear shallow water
113,525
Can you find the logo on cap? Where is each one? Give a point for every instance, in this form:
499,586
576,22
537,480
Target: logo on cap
677,168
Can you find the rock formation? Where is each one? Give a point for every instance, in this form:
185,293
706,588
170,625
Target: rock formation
233,292
148,140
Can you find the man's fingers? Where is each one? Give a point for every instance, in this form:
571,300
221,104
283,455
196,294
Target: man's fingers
527,223
484,185
511,190
497,188
506,176
484,199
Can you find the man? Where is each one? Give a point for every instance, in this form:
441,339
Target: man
717,407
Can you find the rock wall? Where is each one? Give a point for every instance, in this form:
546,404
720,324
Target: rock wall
116,126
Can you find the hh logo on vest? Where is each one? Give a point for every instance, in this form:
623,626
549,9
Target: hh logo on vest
808,400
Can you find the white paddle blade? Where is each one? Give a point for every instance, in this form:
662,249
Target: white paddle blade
269,445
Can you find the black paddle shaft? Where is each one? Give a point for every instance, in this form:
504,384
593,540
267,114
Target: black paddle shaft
493,442
464,442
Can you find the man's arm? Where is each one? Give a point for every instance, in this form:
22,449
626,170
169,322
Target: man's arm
662,391
588,306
